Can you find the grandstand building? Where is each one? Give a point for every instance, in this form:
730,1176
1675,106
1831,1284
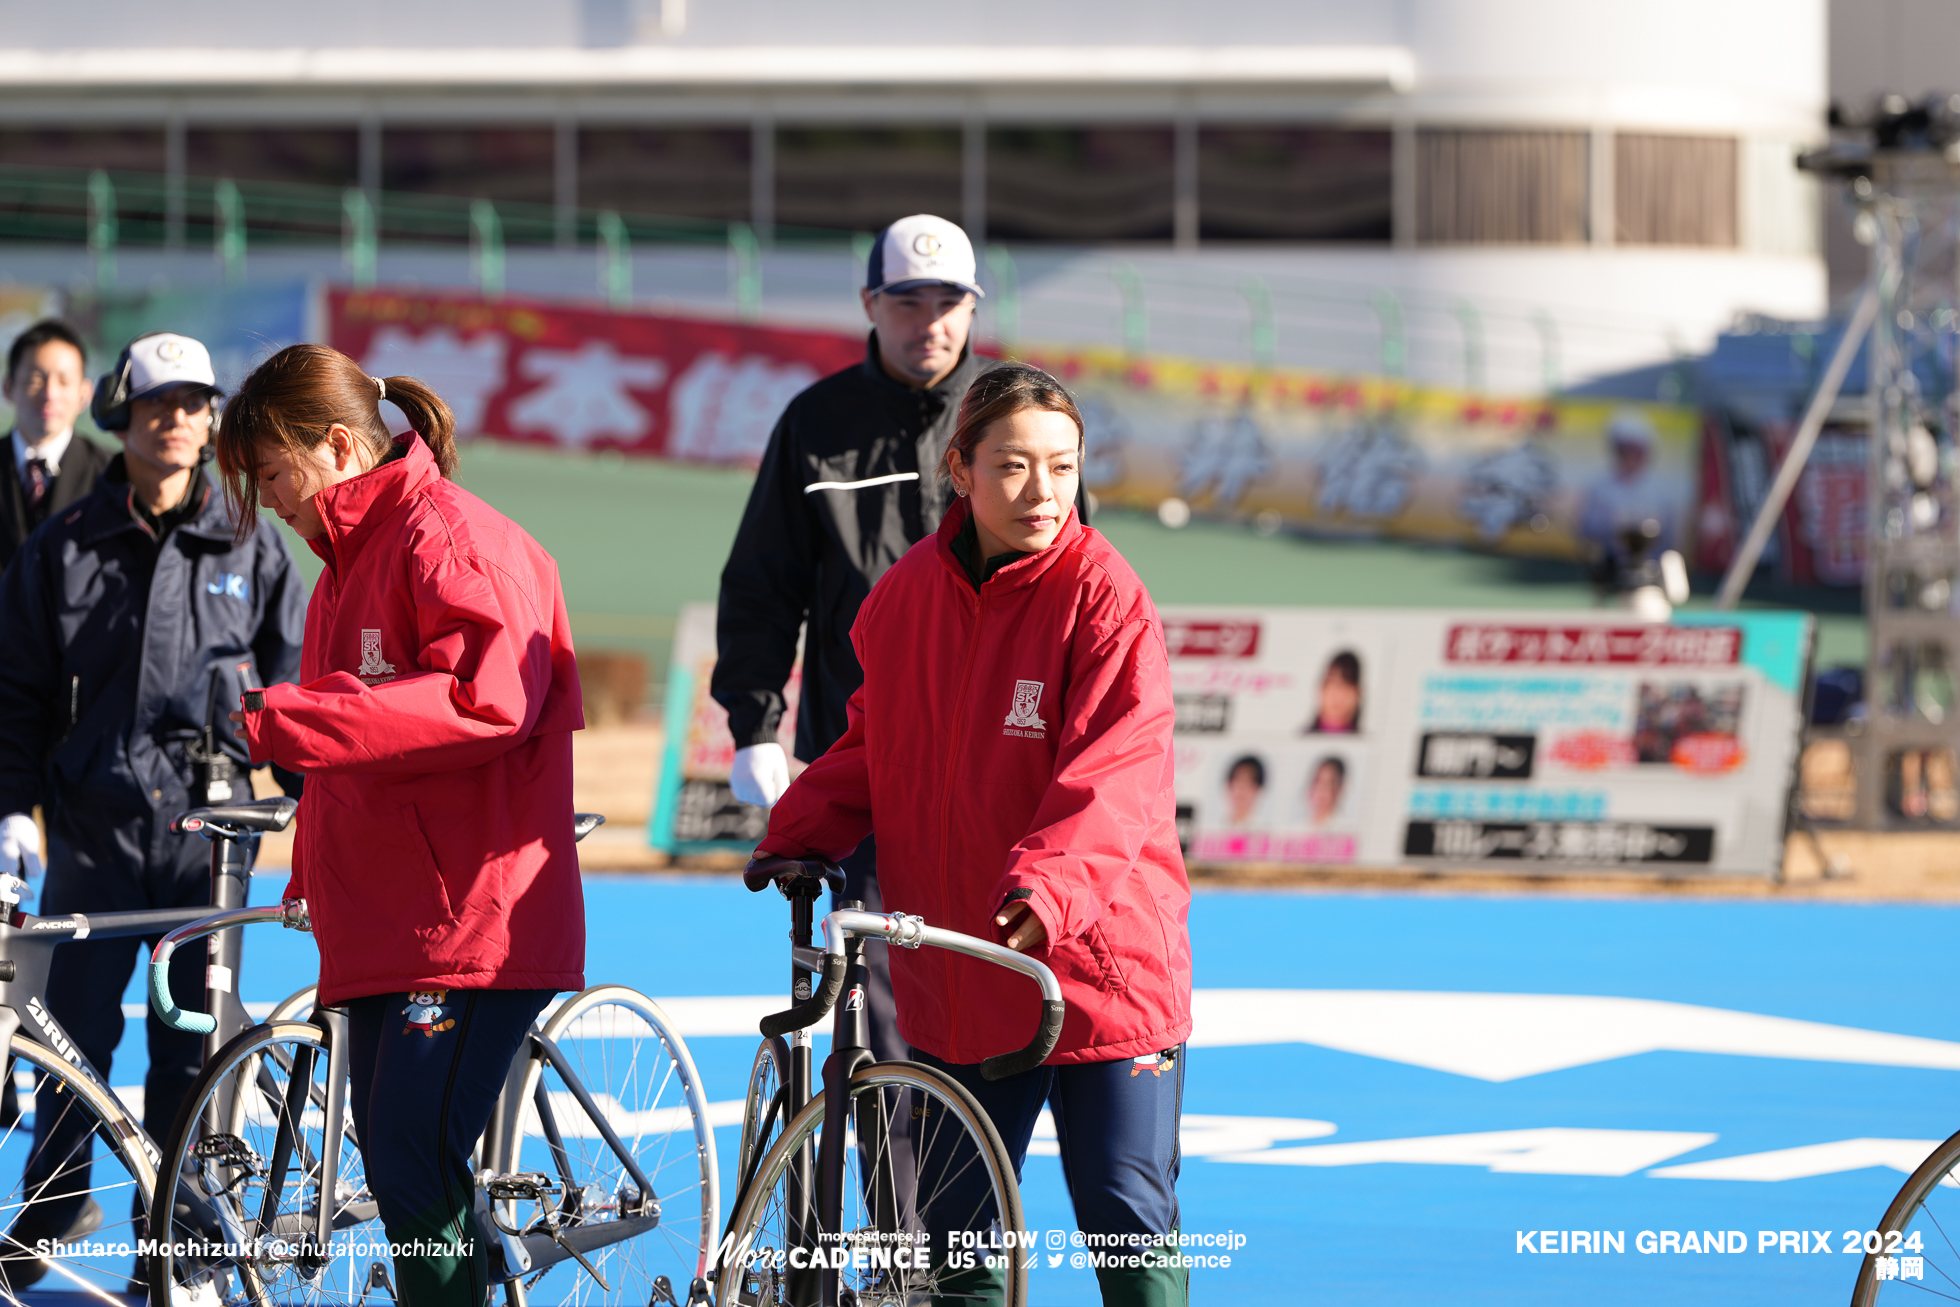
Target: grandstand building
1524,191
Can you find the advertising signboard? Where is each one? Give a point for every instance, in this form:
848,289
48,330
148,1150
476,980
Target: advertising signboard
579,377
1510,741
1379,456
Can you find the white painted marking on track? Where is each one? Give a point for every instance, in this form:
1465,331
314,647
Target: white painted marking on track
1551,1151
1499,1037
1903,1155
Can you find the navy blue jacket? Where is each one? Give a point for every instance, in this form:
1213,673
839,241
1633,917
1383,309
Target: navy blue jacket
113,650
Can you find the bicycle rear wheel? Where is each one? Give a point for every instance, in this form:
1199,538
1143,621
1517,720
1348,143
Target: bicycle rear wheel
92,1199
1922,1222
765,1108
625,1052
236,1211
951,1175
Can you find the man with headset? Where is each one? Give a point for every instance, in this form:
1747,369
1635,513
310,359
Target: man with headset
132,622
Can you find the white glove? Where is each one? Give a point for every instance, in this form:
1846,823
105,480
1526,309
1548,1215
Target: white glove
20,840
759,775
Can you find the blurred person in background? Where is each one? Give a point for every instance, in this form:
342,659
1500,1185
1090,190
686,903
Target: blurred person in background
132,622
848,484
1631,493
47,384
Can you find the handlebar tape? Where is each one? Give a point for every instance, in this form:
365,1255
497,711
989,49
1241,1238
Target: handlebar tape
1013,1064
811,1009
198,1023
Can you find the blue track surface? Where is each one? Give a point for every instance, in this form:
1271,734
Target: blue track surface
1423,1232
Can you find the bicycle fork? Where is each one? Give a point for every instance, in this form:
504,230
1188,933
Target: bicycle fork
849,1051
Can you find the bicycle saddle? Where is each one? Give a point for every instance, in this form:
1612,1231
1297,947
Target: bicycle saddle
259,814
809,875
584,823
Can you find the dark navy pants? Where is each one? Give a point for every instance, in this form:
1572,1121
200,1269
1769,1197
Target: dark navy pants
427,1069
1116,1123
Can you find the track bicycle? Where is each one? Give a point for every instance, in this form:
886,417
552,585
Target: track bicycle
1922,1223
596,1179
866,1214
75,1220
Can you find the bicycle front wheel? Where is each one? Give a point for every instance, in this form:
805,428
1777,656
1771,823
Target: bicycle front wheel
1922,1223
72,1212
245,1173
625,1053
935,1213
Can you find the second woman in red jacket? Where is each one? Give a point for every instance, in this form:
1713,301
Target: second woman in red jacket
1011,750
438,692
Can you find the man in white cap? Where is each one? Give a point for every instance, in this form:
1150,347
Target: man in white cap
133,620
1629,495
848,484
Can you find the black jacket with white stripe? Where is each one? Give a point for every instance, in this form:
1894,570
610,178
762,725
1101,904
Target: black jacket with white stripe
850,482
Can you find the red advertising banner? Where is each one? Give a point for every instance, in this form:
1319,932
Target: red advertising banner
589,378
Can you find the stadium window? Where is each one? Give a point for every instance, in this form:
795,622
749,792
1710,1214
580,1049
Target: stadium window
1080,184
322,156
1674,190
675,172
492,163
1262,183
862,178
1479,187
51,205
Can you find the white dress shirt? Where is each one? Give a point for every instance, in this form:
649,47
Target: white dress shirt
50,453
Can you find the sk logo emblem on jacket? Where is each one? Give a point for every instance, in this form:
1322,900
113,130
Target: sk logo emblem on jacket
373,666
425,1013
1025,719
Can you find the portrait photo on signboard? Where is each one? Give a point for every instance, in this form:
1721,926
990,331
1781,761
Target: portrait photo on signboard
1689,724
1242,803
1338,697
1324,799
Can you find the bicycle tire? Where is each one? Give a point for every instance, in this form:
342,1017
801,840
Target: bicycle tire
296,1006
119,1184
1907,1213
625,1050
759,1270
218,1238
764,1106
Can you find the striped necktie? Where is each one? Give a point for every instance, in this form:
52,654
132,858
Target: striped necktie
36,480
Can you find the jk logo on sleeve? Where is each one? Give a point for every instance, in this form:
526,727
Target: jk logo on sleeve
1025,720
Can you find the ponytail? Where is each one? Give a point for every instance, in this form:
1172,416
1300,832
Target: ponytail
293,398
428,417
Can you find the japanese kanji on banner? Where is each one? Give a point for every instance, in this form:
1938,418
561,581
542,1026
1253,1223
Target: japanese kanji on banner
1376,737
1378,456
589,378
1492,741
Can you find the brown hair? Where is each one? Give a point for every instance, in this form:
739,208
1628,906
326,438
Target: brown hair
294,397
1003,392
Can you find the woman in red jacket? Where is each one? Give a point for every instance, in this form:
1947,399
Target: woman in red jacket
432,722
1011,750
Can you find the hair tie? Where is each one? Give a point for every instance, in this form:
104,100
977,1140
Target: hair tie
381,386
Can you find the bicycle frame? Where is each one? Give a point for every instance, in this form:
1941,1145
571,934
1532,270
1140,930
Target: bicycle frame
841,964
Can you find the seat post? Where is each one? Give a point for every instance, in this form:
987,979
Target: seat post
231,883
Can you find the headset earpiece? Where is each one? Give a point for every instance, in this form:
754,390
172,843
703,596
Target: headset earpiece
110,407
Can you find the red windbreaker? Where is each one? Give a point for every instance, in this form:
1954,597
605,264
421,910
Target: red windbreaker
1014,739
433,725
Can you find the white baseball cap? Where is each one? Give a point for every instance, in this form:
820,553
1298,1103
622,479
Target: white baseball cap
921,251
158,362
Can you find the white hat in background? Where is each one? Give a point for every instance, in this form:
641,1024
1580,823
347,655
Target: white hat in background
1631,427
158,362
921,251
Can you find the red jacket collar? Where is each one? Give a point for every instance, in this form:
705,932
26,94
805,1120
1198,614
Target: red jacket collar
354,508
1022,571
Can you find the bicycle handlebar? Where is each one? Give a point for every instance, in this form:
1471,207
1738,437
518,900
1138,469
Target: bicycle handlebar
292,915
910,932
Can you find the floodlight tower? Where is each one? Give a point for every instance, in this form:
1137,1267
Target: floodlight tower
1901,172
